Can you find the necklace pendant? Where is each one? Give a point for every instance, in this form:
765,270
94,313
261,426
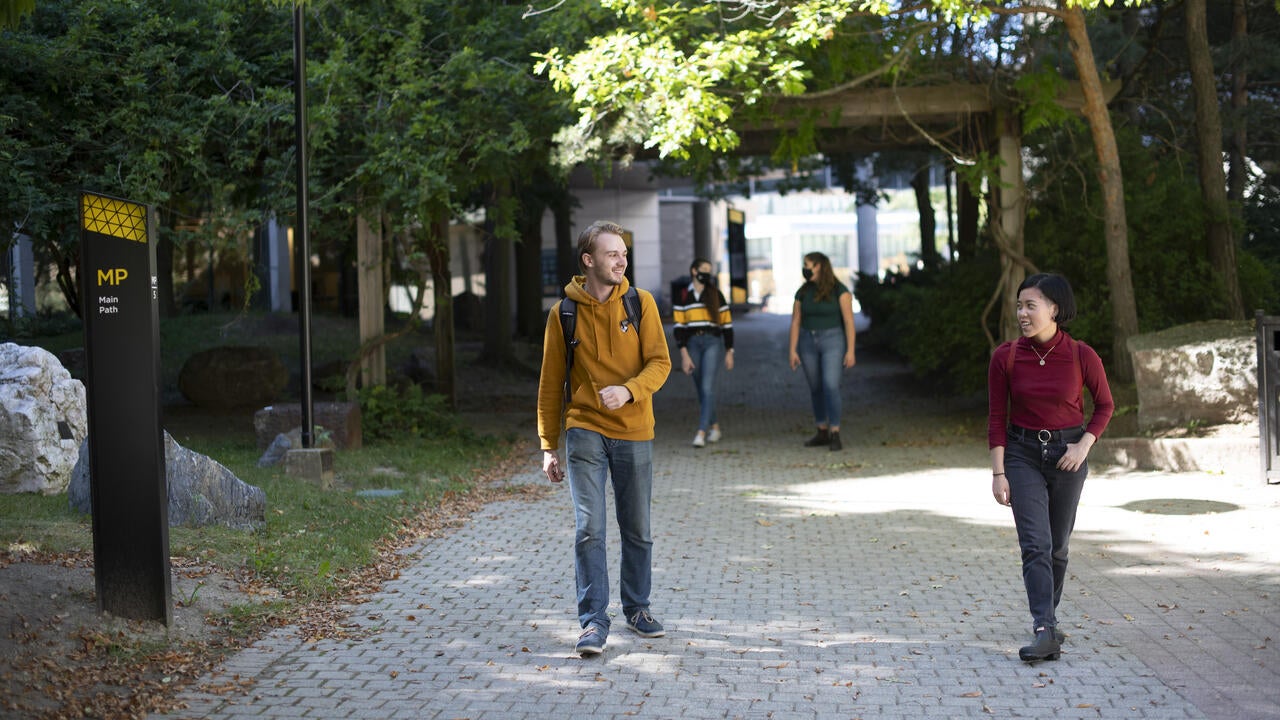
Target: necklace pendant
1042,363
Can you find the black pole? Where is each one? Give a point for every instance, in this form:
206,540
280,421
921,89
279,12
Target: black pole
302,245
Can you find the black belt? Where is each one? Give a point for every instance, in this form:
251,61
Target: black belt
704,331
1042,436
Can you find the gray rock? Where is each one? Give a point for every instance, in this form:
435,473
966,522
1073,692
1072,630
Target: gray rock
1205,373
43,418
201,490
276,451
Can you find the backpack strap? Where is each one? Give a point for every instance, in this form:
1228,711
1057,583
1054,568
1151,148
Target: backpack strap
569,328
631,304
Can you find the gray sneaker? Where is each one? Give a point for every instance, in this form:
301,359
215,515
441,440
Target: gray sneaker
591,641
643,624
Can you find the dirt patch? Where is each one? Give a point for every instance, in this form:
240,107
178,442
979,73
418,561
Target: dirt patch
60,657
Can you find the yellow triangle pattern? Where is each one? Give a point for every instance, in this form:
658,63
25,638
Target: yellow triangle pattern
117,218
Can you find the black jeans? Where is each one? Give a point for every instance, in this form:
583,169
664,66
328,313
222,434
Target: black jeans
1044,501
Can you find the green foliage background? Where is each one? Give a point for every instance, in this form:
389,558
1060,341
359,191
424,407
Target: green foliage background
933,318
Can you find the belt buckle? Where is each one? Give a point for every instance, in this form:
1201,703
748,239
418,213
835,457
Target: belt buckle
1044,436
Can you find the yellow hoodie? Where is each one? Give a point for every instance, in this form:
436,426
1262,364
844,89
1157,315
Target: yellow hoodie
609,352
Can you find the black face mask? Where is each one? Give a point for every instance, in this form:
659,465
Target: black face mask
808,274
704,278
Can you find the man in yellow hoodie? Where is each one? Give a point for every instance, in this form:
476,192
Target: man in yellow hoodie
608,429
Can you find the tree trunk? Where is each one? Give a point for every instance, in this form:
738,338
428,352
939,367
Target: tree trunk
1124,309
566,262
1239,172
968,207
68,279
437,249
1213,183
164,275
951,226
530,317
498,348
928,224
371,311
1008,202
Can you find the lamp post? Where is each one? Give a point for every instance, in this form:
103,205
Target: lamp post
302,245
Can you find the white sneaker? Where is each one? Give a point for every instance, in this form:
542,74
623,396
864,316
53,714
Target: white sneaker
700,440
714,435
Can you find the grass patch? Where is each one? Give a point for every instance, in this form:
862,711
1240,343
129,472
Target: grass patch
39,523
311,538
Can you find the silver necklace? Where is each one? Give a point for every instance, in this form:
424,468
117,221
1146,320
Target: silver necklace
1045,355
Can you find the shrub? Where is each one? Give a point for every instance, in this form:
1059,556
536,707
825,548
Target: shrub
390,414
933,319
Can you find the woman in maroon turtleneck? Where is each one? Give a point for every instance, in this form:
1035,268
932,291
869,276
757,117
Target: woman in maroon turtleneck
1040,442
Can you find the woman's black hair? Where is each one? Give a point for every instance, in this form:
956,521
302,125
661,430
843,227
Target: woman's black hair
1057,290
711,295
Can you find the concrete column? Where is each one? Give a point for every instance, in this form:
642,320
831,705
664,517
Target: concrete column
868,230
703,242
868,241
279,267
22,278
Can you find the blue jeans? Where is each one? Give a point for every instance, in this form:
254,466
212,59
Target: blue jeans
1044,501
591,459
822,358
707,352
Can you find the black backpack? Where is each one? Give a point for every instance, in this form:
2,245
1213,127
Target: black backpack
569,327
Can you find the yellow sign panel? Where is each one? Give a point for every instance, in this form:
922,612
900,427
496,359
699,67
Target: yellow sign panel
117,218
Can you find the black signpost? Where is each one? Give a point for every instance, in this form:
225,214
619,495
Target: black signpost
737,256
126,442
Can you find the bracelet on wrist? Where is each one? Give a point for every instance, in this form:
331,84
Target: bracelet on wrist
997,474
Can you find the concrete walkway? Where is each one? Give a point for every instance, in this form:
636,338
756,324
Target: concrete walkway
879,582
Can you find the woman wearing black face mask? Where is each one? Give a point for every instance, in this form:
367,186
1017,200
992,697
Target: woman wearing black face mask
704,333
822,340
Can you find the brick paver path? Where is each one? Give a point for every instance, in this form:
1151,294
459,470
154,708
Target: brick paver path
879,582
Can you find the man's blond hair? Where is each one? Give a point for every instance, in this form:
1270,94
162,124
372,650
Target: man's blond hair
587,239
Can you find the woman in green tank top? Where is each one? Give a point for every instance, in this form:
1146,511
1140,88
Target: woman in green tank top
822,342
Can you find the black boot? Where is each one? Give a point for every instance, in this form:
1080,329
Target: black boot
822,437
1045,647
835,441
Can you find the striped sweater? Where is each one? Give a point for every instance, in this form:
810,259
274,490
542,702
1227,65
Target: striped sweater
691,315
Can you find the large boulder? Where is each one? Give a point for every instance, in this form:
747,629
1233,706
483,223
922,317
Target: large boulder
230,377
201,490
42,421
1204,373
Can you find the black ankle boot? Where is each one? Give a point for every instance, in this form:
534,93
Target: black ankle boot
1045,647
835,441
822,437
